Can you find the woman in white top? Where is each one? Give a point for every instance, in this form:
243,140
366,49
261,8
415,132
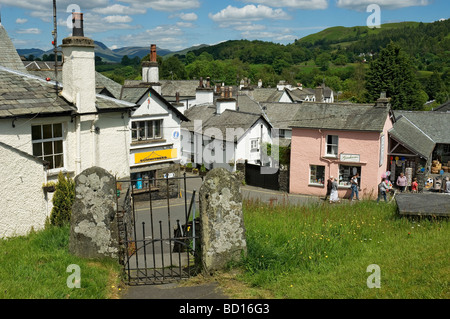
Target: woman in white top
334,197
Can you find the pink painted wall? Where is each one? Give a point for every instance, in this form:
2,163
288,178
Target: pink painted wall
309,148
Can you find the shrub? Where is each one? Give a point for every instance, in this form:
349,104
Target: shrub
62,200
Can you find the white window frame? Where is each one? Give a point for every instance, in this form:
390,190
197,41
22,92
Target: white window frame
310,175
333,144
348,172
52,140
254,145
144,125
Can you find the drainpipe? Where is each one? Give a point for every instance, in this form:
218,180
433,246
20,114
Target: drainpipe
78,130
94,140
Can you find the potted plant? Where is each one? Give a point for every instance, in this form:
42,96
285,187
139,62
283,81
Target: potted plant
49,187
195,170
189,167
203,170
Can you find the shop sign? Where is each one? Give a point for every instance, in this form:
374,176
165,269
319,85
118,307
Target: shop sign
155,156
350,158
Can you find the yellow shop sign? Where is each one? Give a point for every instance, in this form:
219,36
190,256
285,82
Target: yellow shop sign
155,156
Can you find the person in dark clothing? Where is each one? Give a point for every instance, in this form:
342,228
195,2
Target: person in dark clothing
329,183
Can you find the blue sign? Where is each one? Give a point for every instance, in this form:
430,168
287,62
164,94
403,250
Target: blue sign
176,135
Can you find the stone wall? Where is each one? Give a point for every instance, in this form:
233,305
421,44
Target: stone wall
94,231
221,220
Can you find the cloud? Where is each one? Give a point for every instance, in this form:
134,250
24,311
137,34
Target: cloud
29,31
165,5
118,9
249,13
188,16
117,19
21,21
386,4
295,4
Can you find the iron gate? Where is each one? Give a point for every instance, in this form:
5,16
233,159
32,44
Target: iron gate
160,237
254,177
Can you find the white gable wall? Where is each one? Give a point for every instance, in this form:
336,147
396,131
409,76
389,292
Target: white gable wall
23,202
156,110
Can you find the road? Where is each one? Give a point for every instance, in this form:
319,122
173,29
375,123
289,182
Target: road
156,225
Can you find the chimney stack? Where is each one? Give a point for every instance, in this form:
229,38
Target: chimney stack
319,94
204,94
150,70
226,102
383,101
78,69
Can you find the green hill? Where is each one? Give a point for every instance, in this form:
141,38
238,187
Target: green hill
341,34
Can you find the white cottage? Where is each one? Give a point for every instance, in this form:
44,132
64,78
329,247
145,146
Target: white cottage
219,135
155,137
66,127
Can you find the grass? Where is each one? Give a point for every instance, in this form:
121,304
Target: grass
323,252
34,267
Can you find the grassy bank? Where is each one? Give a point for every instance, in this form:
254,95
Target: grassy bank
34,267
324,251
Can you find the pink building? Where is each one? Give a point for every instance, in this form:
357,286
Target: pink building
339,140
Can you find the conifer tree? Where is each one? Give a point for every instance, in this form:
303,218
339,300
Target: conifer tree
393,72
62,200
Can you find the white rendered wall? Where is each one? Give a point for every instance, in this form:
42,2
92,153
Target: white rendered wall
22,202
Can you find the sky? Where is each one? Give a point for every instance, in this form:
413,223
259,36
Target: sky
179,24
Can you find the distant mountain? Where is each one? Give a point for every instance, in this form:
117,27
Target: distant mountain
114,56
27,52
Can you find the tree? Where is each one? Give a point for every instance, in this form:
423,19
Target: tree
323,60
62,201
392,72
173,68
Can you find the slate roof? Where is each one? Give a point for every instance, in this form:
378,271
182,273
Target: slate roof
134,93
434,124
340,116
229,119
444,107
298,95
46,70
27,95
9,58
281,115
267,94
405,132
23,95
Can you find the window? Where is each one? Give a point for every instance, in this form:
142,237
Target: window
254,145
317,175
346,173
47,143
146,130
332,145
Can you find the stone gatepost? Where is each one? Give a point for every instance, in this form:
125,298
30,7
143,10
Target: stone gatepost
221,220
94,232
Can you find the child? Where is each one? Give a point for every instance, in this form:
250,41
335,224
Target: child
414,186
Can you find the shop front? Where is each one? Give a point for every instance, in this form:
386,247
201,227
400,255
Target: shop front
155,170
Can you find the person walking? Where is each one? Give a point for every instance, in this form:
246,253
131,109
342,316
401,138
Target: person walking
401,182
329,182
354,186
415,186
334,196
383,187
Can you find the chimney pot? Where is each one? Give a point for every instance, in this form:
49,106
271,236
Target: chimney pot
77,22
153,57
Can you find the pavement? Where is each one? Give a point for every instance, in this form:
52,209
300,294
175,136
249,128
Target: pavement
174,291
